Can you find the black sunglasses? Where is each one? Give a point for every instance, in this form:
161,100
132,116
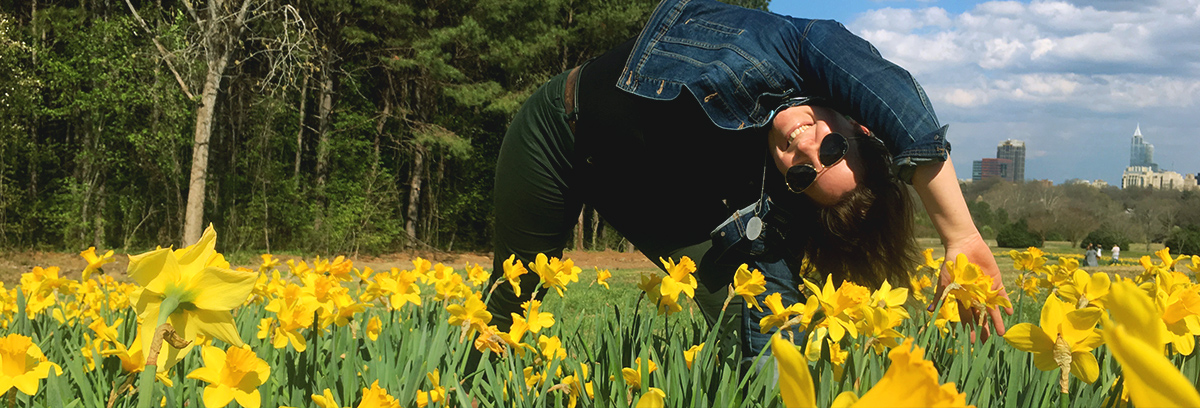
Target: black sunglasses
833,150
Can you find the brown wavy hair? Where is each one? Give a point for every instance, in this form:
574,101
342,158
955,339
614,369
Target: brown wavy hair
867,236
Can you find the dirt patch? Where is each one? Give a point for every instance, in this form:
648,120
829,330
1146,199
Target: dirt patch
70,264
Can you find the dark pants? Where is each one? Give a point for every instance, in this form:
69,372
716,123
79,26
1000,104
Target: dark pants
538,198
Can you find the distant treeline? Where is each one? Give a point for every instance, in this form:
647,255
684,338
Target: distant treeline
1082,214
317,125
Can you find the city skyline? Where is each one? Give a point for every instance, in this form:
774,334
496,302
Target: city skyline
1073,79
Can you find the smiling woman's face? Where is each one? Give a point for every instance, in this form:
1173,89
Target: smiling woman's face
795,138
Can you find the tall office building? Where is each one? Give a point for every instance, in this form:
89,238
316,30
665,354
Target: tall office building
1013,150
1141,154
1001,168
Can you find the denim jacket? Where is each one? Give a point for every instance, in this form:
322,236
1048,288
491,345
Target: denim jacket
743,65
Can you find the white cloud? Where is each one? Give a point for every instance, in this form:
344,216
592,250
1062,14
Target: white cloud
1041,46
1070,76
1000,52
965,98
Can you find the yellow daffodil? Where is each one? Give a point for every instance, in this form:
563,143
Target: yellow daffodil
232,375
191,288
471,315
399,288
840,306
269,263
930,262
572,384
749,284
339,268
679,278
104,331
536,319
477,275
533,378
555,273
1029,283
299,269
1031,260
780,315
690,355
512,272
295,313
325,400
973,287
435,395
819,345
95,262
1195,265
795,381
22,364
1136,343
552,348
375,397
892,301
345,307
633,376
1178,300
602,276
1064,330
1084,289
910,381
919,284
653,398
878,325
947,313
451,286
374,326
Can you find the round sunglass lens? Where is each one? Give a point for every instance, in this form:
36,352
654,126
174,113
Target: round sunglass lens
800,177
833,148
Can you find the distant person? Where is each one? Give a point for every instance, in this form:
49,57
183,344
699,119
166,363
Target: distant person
1116,254
1090,258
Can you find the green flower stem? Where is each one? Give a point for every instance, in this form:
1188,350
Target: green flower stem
146,378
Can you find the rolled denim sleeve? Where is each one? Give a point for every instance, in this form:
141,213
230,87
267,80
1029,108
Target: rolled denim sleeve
881,95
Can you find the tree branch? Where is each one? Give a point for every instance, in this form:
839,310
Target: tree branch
161,50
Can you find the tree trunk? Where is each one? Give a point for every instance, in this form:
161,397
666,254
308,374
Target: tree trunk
324,110
194,218
383,117
98,235
300,131
579,232
595,228
414,194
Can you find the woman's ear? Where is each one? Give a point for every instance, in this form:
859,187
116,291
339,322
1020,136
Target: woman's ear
858,127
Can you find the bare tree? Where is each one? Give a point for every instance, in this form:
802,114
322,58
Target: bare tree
221,29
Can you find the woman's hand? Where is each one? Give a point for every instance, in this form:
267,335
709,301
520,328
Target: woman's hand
937,185
978,253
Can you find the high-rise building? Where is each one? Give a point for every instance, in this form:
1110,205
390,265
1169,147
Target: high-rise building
1014,151
985,168
1141,154
1143,172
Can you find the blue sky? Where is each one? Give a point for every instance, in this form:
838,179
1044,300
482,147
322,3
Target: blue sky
1072,79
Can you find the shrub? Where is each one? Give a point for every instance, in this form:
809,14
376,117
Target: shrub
1106,237
1017,235
1184,240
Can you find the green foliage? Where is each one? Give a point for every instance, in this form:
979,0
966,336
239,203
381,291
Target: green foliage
1184,240
1017,235
1106,236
